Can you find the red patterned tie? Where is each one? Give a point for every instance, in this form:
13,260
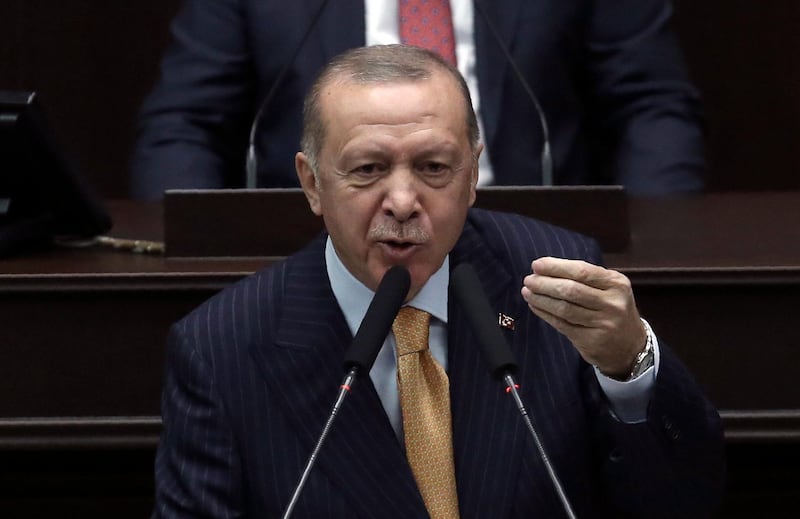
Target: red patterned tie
428,24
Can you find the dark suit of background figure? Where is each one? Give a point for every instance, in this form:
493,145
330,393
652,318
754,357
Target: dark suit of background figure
608,73
252,375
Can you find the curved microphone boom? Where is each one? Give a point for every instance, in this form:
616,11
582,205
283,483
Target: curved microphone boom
547,157
360,357
469,293
251,164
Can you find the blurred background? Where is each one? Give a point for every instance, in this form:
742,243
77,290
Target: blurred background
93,62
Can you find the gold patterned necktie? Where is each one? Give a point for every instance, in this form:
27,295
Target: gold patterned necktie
425,404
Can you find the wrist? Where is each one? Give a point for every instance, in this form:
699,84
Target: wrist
645,358
641,362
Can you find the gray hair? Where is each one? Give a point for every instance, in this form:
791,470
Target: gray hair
377,64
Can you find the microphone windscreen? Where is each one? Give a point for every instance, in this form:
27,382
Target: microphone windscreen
378,320
469,294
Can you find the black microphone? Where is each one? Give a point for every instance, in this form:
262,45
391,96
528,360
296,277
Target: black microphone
360,357
468,291
251,165
469,294
547,158
378,320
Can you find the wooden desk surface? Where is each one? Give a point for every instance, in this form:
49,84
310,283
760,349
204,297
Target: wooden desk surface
715,231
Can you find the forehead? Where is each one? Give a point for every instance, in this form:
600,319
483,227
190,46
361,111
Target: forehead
346,101
355,113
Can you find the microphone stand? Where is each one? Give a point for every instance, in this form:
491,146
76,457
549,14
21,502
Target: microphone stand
468,291
344,390
251,162
513,388
546,156
361,355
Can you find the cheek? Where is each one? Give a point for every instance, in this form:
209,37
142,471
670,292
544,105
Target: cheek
449,212
448,222
347,221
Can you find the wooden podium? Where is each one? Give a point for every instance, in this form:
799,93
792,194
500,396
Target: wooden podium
277,222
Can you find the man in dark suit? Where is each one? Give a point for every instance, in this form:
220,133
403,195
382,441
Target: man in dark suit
608,74
390,161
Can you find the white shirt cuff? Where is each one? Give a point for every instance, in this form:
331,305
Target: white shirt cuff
629,399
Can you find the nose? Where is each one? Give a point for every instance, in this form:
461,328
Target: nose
401,199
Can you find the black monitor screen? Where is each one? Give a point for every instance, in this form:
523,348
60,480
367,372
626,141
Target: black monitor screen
42,196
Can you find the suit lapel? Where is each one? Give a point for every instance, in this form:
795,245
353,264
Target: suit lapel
303,367
488,434
492,64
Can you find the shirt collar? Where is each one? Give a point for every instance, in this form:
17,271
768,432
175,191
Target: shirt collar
354,297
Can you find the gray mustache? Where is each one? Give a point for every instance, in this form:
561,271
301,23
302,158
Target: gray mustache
398,232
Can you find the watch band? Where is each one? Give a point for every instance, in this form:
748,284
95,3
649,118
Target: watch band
645,358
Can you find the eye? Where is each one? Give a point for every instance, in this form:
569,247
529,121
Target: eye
433,168
436,167
362,175
368,169
434,173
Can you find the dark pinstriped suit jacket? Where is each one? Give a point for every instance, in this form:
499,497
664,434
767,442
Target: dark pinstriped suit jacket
252,374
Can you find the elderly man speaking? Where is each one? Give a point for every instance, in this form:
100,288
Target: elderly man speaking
390,162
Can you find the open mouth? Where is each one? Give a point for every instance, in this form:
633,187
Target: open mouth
399,250
400,245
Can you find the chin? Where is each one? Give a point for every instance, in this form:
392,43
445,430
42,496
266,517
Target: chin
419,276
419,272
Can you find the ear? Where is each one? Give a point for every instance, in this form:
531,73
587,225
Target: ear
474,176
308,181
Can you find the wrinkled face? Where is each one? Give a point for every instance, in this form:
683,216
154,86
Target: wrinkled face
396,175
